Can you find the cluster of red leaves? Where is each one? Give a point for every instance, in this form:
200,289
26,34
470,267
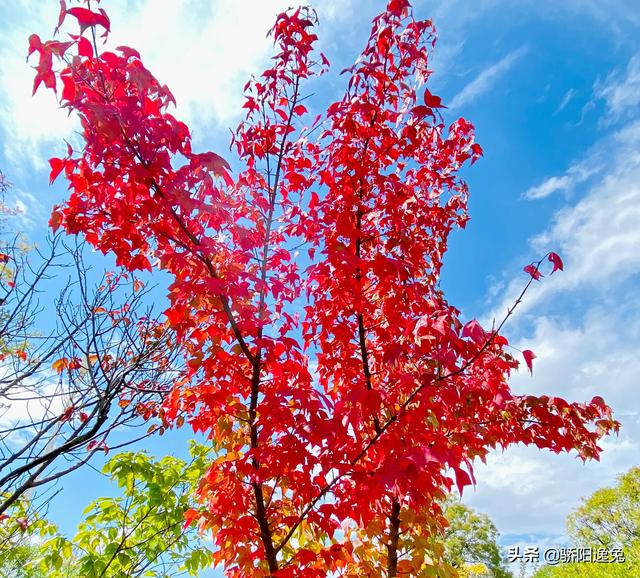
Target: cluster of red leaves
342,391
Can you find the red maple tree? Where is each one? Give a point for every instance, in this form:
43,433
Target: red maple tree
342,391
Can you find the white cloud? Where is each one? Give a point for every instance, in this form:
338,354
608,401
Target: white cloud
26,121
485,81
598,357
451,19
586,335
576,174
621,92
517,473
204,51
566,99
27,403
28,209
614,16
548,187
598,237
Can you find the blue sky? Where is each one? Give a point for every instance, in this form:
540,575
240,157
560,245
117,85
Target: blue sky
554,91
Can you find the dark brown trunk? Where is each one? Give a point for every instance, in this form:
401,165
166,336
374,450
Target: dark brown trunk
394,538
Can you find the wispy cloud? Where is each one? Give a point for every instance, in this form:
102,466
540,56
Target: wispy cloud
28,212
566,99
621,91
598,237
576,174
548,187
486,80
578,357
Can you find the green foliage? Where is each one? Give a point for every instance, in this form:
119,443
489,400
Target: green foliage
584,570
142,531
609,518
21,531
471,541
14,562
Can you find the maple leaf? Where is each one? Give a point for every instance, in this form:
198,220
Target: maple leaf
56,167
56,219
462,479
212,162
128,52
476,149
84,47
529,356
474,330
67,413
189,517
398,7
557,262
432,101
87,19
533,271
44,69
35,44
61,15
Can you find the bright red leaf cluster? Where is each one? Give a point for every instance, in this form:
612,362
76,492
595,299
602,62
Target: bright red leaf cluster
344,393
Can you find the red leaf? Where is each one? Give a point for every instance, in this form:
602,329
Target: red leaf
56,219
84,47
474,330
421,111
189,516
300,109
432,101
56,167
61,14
213,162
476,151
139,261
305,556
47,77
67,413
68,88
397,7
86,18
529,356
58,48
313,202
35,44
44,72
462,479
533,271
128,52
557,262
